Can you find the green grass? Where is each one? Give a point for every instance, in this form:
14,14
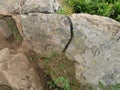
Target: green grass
65,9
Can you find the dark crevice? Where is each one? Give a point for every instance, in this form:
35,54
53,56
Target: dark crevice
5,87
118,39
71,35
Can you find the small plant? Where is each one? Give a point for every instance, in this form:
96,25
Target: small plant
52,85
101,85
63,82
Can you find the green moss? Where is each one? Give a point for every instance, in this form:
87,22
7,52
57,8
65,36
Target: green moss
12,25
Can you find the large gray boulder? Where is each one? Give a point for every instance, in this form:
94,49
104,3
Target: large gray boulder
9,7
47,33
40,6
15,73
95,46
97,51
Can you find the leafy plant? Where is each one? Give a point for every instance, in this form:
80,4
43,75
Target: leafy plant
109,8
52,85
62,81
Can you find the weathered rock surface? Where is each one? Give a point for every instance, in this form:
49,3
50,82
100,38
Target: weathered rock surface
46,32
15,73
97,51
95,47
4,29
9,7
5,33
40,6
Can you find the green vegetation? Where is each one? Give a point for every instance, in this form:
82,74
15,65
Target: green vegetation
109,87
62,72
16,37
63,82
12,26
108,8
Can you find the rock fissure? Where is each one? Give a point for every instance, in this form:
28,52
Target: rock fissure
71,35
5,87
